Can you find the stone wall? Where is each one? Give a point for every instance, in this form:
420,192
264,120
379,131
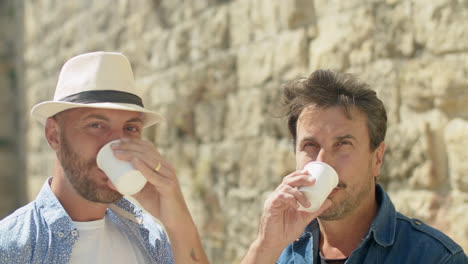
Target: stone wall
214,69
12,173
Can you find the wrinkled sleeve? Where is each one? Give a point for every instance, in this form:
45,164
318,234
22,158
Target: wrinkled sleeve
159,241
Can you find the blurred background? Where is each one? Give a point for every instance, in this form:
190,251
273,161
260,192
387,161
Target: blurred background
214,69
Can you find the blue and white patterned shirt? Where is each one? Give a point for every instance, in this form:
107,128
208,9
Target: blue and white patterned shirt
42,232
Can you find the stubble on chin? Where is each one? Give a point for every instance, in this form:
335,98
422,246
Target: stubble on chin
334,212
79,173
352,199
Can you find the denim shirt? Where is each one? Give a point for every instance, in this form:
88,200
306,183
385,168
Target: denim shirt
392,238
42,232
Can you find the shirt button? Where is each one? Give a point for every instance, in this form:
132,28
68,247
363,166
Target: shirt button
74,233
60,234
417,222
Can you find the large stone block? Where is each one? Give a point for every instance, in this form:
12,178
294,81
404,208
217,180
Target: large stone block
275,123
416,155
264,18
422,89
261,163
241,229
171,12
178,47
342,40
157,44
178,123
290,55
296,13
210,33
440,25
240,31
456,137
325,8
394,33
190,82
209,120
420,204
219,77
255,64
162,88
261,19
244,119
32,26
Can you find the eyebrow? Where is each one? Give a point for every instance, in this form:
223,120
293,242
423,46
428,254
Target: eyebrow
347,136
104,118
135,119
95,116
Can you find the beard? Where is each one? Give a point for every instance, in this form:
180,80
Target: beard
79,173
354,196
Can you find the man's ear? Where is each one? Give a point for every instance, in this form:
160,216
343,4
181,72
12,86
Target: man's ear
52,133
378,158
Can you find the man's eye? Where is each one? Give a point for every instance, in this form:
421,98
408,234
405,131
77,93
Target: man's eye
133,129
310,145
95,125
344,142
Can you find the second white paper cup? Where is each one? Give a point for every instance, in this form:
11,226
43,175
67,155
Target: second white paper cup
122,174
326,179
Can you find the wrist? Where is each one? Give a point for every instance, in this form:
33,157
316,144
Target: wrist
261,252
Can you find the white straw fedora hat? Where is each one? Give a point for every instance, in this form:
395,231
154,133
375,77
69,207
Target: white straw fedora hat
96,80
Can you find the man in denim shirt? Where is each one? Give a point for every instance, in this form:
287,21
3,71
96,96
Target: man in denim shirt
79,216
336,119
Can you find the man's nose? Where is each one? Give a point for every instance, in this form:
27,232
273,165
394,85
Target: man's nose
324,156
115,134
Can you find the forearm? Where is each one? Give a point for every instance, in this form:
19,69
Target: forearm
186,244
258,254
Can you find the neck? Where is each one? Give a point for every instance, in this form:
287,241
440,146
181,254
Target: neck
78,208
337,239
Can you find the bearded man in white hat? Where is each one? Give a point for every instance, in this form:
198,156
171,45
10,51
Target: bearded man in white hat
79,216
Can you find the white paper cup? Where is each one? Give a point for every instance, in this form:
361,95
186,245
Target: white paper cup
122,174
326,180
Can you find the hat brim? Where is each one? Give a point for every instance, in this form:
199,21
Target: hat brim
44,110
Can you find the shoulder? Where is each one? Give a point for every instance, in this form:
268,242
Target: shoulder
155,235
17,220
427,237
155,229
16,232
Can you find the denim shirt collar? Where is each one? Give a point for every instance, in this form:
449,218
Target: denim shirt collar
60,222
383,226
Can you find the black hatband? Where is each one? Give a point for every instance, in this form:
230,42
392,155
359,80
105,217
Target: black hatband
103,96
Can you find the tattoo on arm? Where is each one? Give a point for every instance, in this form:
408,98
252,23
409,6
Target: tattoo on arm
193,255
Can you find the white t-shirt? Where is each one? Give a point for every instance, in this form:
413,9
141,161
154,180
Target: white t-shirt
101,241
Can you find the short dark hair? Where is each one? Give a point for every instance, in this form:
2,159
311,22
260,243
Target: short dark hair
325,88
